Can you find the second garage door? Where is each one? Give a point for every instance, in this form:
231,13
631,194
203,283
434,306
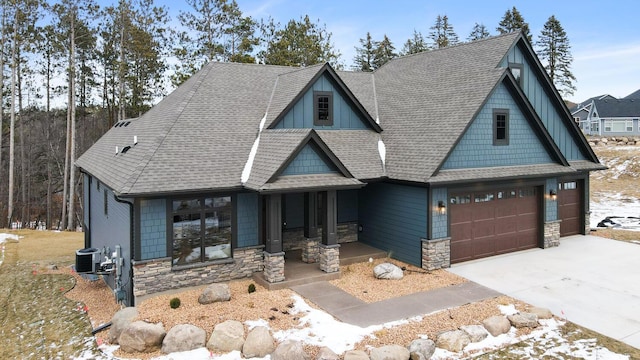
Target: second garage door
495,222
569,206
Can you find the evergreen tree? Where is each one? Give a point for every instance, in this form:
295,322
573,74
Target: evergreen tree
299,43
554,50
384,52
513,21
365,54
238,33
415,44
442,33
479,32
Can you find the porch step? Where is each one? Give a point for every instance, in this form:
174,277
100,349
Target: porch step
287,283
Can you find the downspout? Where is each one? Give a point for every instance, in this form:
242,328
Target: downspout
131,242
87,229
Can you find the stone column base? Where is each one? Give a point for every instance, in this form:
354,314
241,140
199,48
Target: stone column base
330,258
436,254
274,267
311,250
552,233
587,223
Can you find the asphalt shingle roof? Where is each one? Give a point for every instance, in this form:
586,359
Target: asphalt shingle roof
618,108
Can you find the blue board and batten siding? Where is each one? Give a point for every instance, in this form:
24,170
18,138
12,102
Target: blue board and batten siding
309,161
153,229
301,115
476,148
394,218
544,106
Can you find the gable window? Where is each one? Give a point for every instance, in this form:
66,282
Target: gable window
322,108
201,229
500,127
517,70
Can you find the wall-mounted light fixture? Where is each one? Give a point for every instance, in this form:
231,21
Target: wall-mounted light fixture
553,195
442,208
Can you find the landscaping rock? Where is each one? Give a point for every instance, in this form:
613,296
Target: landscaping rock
120,321
497,325
542,313
390,352
387,271
184,337
522,320
454,340
215,293
141,336
227,336
476,333
289,350
52,267
421,349
356,355
327,354
259,343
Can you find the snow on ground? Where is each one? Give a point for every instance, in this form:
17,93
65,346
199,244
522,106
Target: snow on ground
626,212
3,238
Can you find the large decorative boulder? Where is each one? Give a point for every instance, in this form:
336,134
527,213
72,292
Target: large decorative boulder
387,271
390,352
141,336
289,350
259,343
327,354
476,333
497,325
215,293
421,349
120,321
227,336
356,355
523,320
454,340
542,313
184,337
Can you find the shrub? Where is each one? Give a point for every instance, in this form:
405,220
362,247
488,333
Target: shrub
252,288
174,303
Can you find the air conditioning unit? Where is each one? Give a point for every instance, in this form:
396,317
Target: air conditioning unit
87,260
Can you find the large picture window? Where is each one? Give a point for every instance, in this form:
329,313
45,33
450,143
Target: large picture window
201,229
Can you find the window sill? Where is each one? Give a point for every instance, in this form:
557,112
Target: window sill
202,264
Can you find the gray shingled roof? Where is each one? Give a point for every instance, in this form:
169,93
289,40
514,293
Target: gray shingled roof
357,150
311,182
499,172
633,95
618,108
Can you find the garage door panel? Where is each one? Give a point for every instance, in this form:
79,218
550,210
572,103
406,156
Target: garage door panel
570,207
494,223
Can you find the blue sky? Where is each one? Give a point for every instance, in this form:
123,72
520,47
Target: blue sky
604,35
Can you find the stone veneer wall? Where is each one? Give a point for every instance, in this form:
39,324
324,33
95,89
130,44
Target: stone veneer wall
551,233
152,276
587,223
311,250
293,239
330,258
274,267
436,254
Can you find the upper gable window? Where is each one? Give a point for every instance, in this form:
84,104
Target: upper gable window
501,127
322,108
518,72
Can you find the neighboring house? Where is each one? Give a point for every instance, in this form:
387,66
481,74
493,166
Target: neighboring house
612,117
580,112
439,157
633,95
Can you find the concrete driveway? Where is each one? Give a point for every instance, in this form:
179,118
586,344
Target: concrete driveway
592,281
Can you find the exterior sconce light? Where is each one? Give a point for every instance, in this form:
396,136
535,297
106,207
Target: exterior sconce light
553,195
442,208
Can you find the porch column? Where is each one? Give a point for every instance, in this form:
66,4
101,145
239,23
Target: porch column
330,249
310,249
273,255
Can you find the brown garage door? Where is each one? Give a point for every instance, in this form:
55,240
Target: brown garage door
493,222
569,208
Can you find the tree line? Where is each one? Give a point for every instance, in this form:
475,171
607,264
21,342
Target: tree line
113,62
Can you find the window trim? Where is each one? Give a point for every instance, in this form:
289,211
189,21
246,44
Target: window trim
520,67
316,109
496,140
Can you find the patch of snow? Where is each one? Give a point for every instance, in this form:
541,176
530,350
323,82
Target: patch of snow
507,310
4,237
382,150
255,323
626,210
246,172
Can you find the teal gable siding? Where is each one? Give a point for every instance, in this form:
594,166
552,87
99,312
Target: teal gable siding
153,229
551,206
309,161
301,115
439,227
394,218
247,219
476,148
539,99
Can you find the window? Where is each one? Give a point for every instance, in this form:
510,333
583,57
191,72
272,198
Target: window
500,127
572,185
463,199
483,197
201,229
322,108
618,125
517,70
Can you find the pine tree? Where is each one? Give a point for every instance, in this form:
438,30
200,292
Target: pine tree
415,44
384,52
238,34
479,32
365,54
513,21
554,50
442,33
